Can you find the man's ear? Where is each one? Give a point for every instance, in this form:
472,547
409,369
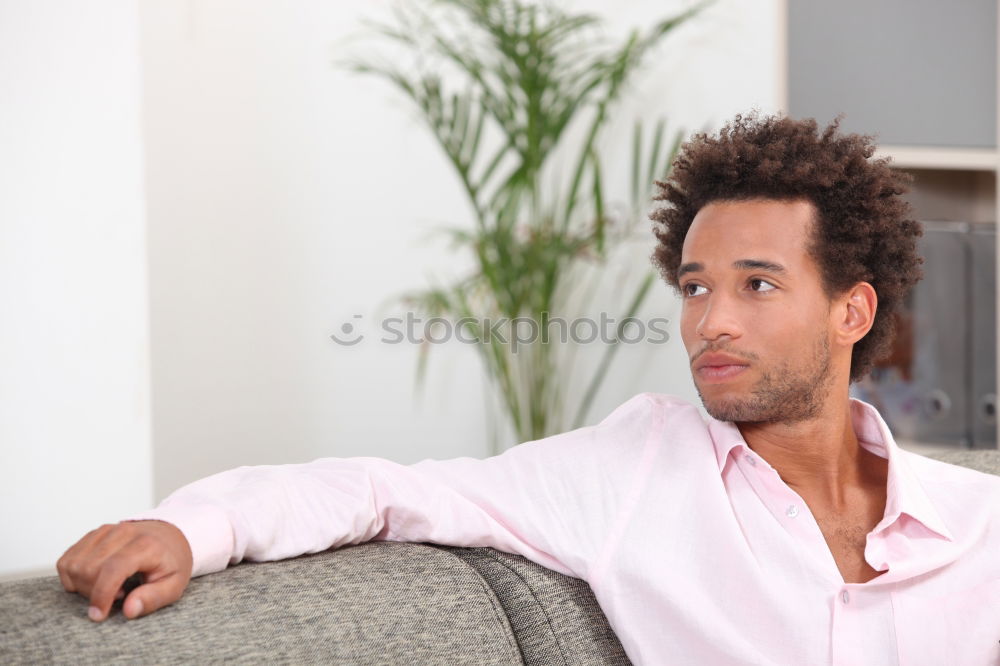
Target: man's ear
854,313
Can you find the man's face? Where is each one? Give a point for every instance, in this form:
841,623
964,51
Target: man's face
755,319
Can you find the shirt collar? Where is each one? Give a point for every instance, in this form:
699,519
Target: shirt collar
904,492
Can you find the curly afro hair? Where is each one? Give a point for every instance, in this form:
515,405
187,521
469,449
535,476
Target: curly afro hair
863,231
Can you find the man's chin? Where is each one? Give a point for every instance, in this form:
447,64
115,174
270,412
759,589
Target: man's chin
738,409
724,412
751,410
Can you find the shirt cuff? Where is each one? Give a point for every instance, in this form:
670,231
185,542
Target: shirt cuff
206,528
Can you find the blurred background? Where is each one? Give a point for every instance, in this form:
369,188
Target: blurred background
196,195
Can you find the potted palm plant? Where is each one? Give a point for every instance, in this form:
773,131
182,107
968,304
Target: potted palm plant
517,95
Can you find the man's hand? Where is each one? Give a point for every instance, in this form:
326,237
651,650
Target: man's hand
97,566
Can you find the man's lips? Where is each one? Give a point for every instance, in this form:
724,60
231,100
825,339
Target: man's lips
717,366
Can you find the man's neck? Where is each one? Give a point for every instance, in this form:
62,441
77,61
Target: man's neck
819,458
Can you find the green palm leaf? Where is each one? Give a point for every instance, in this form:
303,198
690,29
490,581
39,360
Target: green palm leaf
502,85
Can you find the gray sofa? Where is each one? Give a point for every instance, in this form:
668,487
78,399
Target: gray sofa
377,603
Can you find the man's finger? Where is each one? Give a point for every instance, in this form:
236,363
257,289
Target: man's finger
140,555
64,578
68,566
151,597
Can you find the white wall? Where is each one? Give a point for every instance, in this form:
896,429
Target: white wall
75,446
285,196
282,196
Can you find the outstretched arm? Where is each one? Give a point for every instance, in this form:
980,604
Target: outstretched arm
554,500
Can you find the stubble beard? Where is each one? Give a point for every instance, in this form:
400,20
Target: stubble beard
782,395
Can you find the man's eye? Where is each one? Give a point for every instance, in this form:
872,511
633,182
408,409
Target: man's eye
691,289
761,285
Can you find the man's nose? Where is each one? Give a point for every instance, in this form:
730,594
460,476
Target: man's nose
718,320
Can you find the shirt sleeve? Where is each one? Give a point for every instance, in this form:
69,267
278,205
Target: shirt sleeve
553,500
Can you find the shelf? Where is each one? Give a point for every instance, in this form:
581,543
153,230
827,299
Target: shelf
925,157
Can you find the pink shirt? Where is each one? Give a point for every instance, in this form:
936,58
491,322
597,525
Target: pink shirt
695,548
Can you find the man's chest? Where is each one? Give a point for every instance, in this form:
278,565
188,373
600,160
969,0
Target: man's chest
730,577
846,532
846,535
747,569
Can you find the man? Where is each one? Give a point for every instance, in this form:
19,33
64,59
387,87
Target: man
788,528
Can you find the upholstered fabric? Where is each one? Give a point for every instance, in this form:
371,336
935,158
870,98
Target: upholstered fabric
378,603
987,460
555,617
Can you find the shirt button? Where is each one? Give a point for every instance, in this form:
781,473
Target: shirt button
750,460
845,596
792,511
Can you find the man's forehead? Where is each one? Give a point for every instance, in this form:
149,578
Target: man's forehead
740,233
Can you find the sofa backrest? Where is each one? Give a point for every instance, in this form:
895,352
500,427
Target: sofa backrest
376,603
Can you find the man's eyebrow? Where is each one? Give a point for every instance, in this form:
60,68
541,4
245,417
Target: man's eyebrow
692,267
758,265
739,264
